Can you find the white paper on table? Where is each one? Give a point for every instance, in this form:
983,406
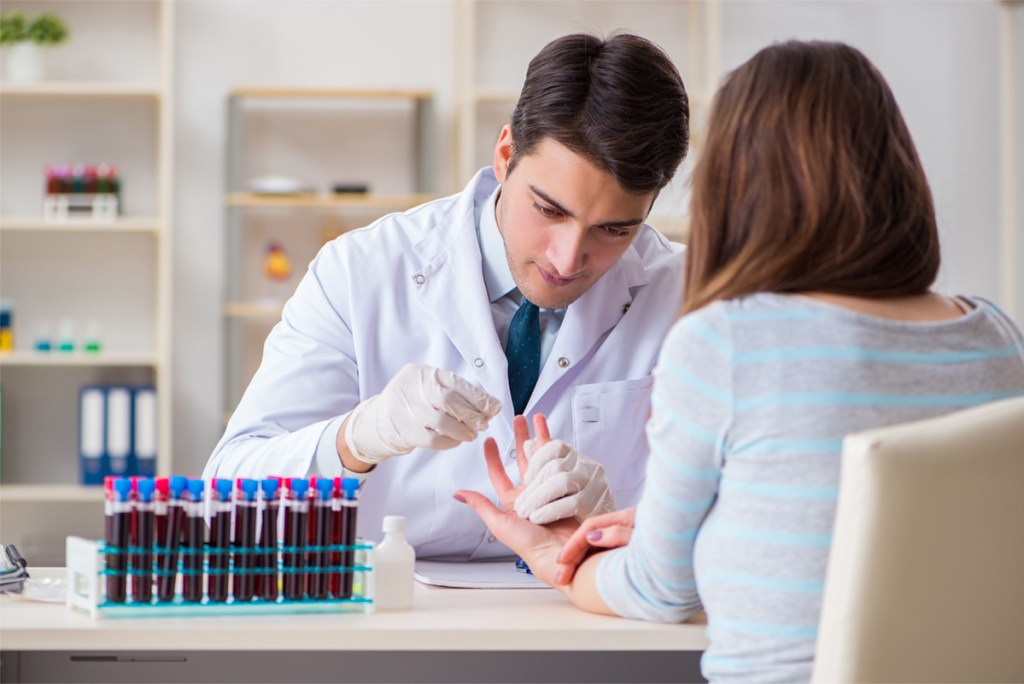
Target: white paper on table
476,575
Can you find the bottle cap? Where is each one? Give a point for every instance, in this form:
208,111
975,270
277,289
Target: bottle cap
394,523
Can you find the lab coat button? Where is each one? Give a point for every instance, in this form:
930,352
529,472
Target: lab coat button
563,362
491,539
419,278
478,362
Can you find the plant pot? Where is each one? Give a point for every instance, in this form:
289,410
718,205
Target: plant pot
26,61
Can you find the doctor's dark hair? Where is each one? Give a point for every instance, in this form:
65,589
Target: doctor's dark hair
809,181
619,103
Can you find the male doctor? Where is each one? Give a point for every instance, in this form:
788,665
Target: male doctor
390,359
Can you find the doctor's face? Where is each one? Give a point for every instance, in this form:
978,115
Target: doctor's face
564,221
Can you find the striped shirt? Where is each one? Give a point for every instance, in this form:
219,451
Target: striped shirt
751,400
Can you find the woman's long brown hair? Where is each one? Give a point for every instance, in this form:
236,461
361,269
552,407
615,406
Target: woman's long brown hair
809,181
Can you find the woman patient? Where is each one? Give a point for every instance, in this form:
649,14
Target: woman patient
808,315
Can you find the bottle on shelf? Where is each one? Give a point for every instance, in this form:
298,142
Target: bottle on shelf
393,566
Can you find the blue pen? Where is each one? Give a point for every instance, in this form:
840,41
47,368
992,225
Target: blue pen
521,566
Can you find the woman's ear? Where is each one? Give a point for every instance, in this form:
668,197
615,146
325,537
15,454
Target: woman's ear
503,153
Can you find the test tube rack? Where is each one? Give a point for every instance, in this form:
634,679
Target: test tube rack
87,570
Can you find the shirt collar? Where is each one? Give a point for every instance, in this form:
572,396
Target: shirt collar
494,263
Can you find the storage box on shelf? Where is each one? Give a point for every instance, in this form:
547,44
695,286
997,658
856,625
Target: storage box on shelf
305,165
96,282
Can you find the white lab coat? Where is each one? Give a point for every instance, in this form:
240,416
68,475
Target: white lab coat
409,288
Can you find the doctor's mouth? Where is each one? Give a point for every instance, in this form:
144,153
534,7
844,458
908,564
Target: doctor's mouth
557,281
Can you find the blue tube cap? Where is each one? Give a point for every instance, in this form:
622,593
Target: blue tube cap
178,485
299,486
325,486
269,487
145,488
123,488
223,486
249,488
195,489
350,486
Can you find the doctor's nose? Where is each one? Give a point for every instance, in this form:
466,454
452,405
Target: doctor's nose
567,253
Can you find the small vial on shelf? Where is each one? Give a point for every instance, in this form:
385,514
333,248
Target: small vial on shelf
91,338
6,325
66,335
394,563
43,341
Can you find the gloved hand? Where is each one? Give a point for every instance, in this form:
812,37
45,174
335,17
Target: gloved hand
420,407
560,482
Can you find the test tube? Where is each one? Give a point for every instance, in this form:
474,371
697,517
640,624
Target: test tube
192,548
350,487
295,532
142,541
220,540
266,581
245,539
335,556
321,514
168,559
162,488
117,541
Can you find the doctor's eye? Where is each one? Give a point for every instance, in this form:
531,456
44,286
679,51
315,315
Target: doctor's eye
547,212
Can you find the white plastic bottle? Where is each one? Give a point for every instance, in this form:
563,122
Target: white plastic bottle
393,564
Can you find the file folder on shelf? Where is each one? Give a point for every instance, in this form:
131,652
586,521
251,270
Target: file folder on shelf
144,432
119,429
92,423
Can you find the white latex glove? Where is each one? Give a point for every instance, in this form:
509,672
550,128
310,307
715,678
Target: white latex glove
421,407
560,482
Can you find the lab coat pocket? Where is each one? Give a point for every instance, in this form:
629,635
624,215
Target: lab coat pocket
608,427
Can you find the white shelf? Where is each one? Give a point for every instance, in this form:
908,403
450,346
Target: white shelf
37,493
80,89
126,224
80,359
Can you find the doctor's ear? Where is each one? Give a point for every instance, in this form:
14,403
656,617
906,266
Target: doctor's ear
503,153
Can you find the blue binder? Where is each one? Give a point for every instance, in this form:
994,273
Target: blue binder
92,434
119,430
144,431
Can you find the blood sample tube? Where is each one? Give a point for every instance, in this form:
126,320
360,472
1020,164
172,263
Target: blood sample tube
117,541
167,563
296,529
335,556
220,540
162,488
142,541
245,539
321,515
266,581
349,487
192,548
108,507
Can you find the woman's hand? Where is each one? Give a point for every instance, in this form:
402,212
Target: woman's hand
606,531
538,545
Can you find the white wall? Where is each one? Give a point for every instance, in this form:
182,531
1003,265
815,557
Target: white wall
941,59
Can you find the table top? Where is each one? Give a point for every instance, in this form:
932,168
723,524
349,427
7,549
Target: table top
443,619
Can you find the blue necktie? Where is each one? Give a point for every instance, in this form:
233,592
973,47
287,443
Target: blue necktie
523,352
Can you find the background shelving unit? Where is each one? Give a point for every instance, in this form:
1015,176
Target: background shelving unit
108,98
380,138
488,32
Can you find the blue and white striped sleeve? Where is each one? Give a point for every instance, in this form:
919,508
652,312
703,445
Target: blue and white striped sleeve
653,577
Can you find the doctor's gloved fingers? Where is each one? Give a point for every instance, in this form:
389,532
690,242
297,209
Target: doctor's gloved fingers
544,490
543,456
481,402
441,423
560,509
